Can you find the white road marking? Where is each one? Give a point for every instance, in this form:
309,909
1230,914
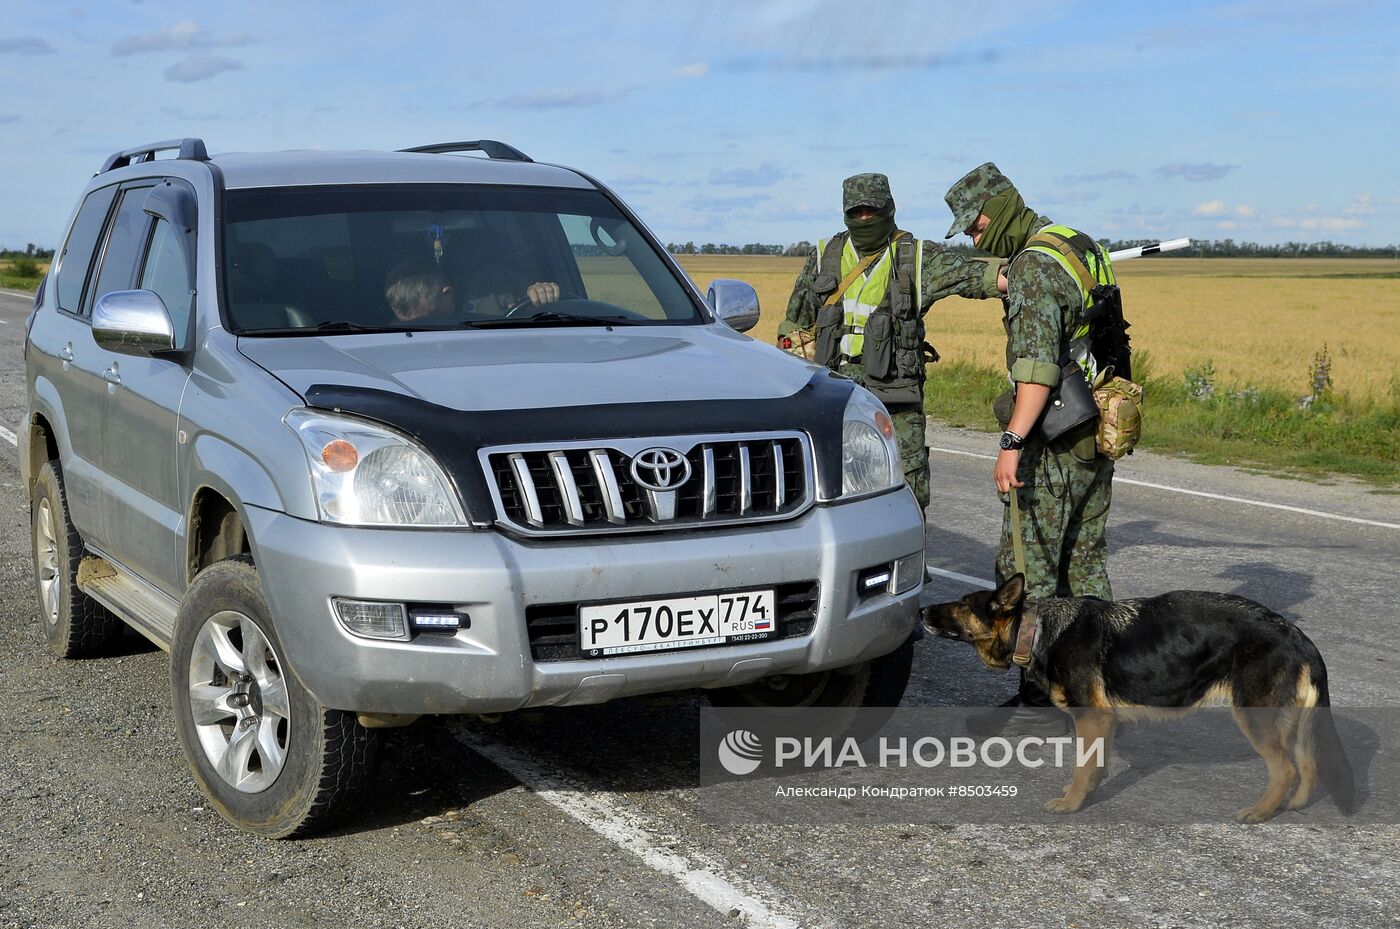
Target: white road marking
1209,496
9,436
704,880
964,578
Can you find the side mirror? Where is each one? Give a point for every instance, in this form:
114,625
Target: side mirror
734,302
132,322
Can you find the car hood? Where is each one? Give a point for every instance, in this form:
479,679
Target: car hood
516,369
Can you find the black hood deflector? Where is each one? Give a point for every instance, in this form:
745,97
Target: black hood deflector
455,437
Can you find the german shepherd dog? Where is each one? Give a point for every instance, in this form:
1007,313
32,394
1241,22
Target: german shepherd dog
1160,656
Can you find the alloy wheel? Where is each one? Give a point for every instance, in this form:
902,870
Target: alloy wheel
46,556
238,702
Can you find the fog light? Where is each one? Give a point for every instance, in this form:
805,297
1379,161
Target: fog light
372,619
908,573
441,621
873,580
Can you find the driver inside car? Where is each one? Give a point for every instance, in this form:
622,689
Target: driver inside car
419,289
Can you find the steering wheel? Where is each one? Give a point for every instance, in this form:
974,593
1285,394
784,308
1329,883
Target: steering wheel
564,294
596,228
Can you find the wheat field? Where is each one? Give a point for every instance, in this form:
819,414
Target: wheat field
1258,321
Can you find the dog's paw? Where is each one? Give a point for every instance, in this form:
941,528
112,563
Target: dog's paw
1063,805
1253,815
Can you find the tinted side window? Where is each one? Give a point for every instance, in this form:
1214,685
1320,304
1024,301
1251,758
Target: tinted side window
73,264
125,241
166,276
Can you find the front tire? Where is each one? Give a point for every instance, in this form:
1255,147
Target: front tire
75,625
270,758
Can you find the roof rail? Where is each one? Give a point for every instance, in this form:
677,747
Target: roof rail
191,149
491,147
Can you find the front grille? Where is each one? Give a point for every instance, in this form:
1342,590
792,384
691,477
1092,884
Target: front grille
590,488
553,627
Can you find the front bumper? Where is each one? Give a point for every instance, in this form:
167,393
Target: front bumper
488,668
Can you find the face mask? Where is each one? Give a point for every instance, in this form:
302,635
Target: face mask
1011,223
873,234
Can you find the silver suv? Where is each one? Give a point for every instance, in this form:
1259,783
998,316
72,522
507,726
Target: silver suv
363,436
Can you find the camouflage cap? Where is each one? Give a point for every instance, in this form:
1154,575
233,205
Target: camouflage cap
871,190
976,187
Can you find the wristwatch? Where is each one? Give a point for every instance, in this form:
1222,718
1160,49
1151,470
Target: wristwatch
1010,441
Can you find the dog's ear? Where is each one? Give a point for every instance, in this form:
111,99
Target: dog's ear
1008,596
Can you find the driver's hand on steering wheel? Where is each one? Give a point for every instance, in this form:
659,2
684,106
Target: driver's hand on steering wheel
542,292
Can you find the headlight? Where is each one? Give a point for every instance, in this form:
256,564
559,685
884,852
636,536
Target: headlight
869,455
368,475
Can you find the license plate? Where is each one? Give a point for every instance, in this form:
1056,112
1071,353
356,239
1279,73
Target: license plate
676,622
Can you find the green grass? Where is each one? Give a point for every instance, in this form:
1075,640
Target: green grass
1262,429
18,282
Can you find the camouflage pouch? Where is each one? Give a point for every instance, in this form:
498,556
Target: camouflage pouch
1120,417
799,342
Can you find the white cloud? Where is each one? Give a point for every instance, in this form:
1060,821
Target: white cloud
1203,171
1247,212
184,35
762,175
200,68
25,45
695,69
562,99
1319,223
1331,223
1209,208
1361,205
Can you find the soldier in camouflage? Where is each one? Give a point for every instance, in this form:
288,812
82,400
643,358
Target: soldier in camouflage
861,297
1063,487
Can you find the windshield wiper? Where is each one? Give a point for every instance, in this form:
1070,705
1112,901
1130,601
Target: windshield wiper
551,318
344,325
331,327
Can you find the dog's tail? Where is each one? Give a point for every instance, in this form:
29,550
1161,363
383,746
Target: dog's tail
1321,740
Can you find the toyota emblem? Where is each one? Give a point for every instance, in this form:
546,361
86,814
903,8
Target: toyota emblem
660,469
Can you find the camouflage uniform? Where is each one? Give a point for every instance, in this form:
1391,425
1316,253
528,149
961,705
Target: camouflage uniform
943,272
1068,486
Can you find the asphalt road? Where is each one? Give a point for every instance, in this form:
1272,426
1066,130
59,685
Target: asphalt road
589,816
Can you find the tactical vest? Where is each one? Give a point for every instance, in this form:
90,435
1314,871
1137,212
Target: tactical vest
1088,265
876,324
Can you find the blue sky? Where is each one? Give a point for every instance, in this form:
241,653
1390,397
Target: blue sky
1263,120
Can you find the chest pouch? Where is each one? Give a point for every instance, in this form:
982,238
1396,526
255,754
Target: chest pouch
823,284
828,334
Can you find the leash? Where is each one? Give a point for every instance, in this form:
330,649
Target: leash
1028,626
1018,549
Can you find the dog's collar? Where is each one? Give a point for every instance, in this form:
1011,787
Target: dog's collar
1027,631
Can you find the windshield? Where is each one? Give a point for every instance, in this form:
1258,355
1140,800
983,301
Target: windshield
302,260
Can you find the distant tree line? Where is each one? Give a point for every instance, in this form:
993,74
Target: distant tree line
1200,248
796,250
30,251
1229,248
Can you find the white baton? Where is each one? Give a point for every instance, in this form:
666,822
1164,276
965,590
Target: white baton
1141,250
